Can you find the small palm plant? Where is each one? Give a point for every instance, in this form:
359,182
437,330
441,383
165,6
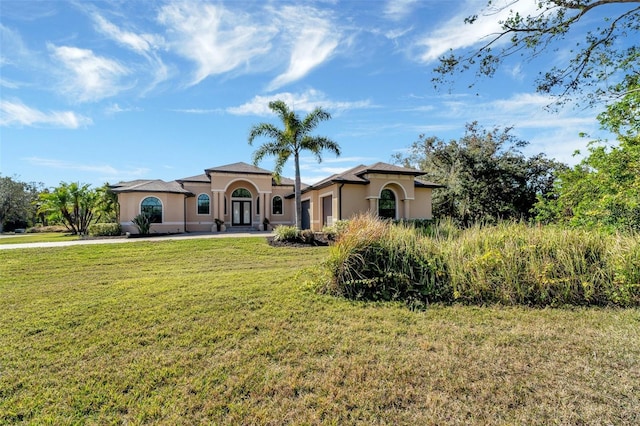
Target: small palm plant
143,223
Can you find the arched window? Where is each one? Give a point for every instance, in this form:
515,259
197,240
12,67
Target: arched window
153,207
276,205
241,193
387,204
203,204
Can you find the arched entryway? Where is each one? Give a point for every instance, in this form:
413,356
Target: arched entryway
241,207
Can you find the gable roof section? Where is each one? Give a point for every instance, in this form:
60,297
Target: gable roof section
203,178
240,168
155,185
385,168
356,175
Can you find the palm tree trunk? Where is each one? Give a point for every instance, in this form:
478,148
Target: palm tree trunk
297,192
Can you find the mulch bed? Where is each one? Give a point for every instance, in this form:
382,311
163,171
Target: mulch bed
319,240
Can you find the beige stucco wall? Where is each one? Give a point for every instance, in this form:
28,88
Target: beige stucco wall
199,222
411,202
172,211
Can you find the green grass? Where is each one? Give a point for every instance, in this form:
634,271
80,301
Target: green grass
43,237
228,331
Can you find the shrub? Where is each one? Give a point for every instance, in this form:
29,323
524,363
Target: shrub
375,260
50,228
143,223
333,232
286,233
105,229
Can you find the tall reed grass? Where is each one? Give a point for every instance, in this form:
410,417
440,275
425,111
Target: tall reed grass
510,263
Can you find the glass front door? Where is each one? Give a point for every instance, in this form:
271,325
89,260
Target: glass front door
241,213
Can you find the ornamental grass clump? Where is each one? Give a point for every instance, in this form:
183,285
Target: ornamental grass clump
376,260
543,266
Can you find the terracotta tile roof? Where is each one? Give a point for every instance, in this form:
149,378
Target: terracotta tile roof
241,167
155,185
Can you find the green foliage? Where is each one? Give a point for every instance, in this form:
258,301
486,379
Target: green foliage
292,140
603,190
73,204
486,178
105,229
606,53
511,264
143,223
17,199
286,233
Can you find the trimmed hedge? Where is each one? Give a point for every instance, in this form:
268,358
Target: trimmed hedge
105,229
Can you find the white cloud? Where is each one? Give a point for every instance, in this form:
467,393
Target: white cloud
144,44
18,114
92,77
302,102
315,40
397,10
116,109
141,43
198,111
216,39
454,34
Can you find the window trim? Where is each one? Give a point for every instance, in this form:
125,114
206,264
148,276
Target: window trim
198,205
395,203
161,207
273,200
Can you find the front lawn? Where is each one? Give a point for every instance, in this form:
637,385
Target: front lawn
228,331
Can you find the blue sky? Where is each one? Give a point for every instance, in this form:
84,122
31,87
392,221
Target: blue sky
121,90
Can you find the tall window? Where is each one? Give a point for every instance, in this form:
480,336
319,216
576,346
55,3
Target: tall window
387,204
258,205
276,207
203,204
153,207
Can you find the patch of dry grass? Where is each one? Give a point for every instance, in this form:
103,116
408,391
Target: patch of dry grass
228,332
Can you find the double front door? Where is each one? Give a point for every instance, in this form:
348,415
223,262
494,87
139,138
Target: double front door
241,213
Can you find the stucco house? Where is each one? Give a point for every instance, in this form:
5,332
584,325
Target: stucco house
242,196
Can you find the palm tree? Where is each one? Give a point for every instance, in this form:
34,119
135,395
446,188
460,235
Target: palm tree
291,140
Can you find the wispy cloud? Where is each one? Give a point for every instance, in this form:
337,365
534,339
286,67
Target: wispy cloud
16,113
216,39
90,77
315,40
117,109
144,44
450,35
303,102
198,111
397,10
140,43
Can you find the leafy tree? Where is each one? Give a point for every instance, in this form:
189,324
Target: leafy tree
291,140
16,202
486,177
604,188
604,54
74,204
